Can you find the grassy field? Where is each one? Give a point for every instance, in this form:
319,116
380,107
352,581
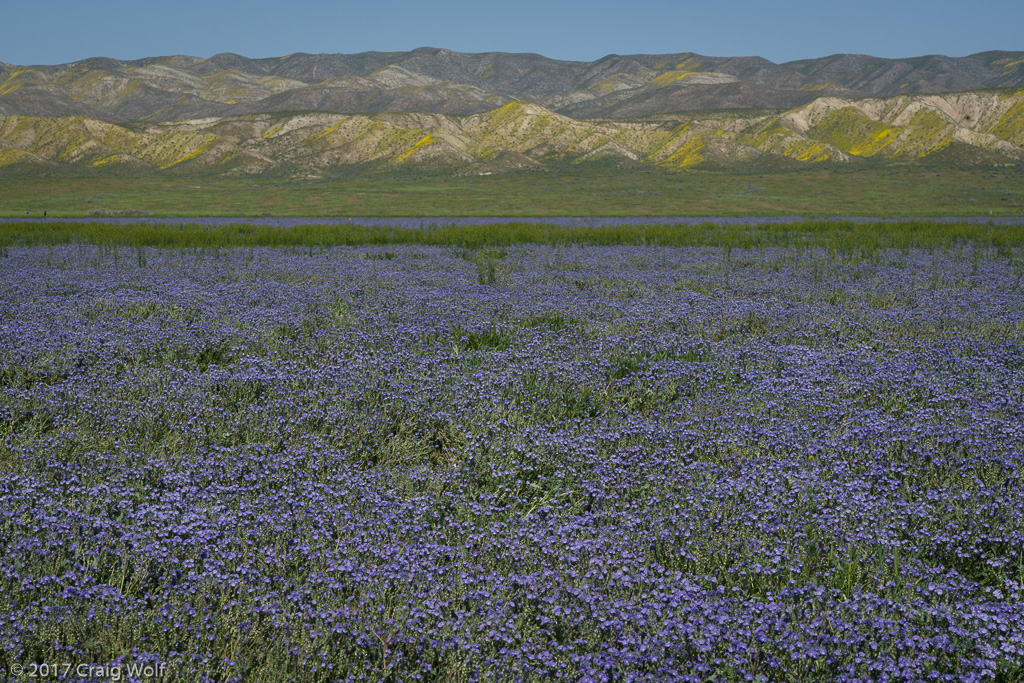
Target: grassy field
878,191
837,236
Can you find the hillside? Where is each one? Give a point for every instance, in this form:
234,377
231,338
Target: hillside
429,80
980,127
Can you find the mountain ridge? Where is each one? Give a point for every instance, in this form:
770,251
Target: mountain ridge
306,114
180,87
977,127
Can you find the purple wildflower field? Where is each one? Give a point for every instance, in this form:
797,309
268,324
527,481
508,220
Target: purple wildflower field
569,463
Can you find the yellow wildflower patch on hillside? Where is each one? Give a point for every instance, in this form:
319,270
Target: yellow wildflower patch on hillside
426,141
671,77
322,134
198,151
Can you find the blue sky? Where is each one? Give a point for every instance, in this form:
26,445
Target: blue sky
58,31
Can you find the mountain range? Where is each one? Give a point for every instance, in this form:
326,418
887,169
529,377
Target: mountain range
307,114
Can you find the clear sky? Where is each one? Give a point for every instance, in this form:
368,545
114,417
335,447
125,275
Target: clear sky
59,31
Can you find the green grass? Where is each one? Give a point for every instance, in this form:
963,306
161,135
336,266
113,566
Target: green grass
890,190
838,236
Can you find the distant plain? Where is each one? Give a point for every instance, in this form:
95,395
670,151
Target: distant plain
882,191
